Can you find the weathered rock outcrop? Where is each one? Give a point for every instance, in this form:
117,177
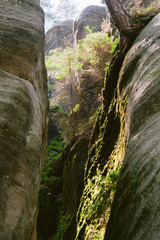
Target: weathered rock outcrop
135,212
90,93
130,129
60,35
91,16
89,83
126,134
74,158
137,4
23,116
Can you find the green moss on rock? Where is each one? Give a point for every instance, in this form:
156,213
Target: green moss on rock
74,159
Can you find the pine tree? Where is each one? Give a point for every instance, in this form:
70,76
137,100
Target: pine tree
67,9
50,13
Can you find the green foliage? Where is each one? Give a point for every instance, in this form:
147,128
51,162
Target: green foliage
88,28
62,62
92,54
56,13
64,222
101,200
75,109
142,12
58,108
50,188
96,202
54,152
67,9
96,49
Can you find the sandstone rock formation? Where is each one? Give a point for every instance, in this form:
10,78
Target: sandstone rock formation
129,131
140,3
74,159
60,35
135,212
126,133
91,16
90,93
23,116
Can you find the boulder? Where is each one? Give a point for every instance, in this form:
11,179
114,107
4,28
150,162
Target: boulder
91,16
23,116
60,35
135,212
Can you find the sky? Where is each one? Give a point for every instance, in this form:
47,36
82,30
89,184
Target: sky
85,3
81,5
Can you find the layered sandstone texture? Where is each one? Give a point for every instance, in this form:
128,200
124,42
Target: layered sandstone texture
134,4
91,16
136,211
23,116
61,35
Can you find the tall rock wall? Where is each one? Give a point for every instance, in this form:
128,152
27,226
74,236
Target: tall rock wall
86,89
126,133
23,116
135,214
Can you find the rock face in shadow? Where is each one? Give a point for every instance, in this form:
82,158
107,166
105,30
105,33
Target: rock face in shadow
74,158
60,35
135,212
23,116
127,135
90,93
91,16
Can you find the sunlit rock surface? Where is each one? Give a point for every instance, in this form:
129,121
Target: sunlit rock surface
136,211
91,16
23,116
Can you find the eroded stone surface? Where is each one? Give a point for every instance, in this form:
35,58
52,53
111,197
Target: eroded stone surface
135,213
23,116
60,35
91,16
136,4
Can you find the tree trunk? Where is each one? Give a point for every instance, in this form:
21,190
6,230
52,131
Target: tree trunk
121,18
129,30
124,22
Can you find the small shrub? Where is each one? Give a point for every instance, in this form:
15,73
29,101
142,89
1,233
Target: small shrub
57,108
75,109
96,202
96,49
65,220
92,53
142,12
54,152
